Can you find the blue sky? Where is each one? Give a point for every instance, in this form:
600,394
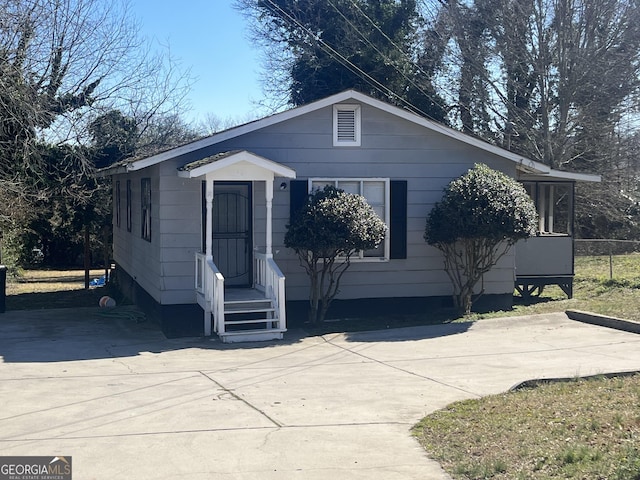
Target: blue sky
210,38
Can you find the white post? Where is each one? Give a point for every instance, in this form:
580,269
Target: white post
269,199
209,256
209,227
542,197
551,202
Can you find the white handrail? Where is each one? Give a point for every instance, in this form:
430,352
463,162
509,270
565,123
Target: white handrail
269,278
210,284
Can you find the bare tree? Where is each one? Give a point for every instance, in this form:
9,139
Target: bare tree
63,63
558,73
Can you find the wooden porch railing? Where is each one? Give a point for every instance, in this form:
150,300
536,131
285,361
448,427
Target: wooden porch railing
269,279
210,285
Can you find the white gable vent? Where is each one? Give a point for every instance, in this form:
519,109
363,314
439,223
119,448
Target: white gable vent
346,125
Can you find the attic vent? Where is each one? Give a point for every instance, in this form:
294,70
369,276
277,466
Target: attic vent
346,125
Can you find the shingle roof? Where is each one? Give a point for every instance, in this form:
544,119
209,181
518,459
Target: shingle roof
206,161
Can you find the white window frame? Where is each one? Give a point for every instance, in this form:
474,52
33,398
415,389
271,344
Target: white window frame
359,256
347,107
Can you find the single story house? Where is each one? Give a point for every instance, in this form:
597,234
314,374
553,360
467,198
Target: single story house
198,230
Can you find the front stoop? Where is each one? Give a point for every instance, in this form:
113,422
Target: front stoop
250,317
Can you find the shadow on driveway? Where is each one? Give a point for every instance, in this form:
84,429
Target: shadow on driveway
60,335
410,333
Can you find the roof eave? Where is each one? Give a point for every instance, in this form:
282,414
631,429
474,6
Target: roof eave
277,169
111,170
558,175
524,165
240,130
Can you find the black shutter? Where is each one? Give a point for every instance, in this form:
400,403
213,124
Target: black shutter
398,226
298,193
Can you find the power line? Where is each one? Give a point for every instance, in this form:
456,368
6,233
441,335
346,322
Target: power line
337,55
390,61
384,90
377,85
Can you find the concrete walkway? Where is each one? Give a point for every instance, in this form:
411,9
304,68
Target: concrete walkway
127,403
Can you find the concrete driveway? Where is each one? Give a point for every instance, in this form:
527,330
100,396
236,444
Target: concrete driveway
125,402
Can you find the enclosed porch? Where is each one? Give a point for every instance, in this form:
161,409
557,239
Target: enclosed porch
547,258
238,284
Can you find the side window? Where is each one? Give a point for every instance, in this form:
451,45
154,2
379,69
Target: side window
145,213
117,203
129,220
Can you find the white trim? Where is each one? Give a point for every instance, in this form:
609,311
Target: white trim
525,165
277,169
241,130
387,211
356,127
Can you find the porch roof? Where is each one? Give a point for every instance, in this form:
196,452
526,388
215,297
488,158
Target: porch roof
558,176
233,164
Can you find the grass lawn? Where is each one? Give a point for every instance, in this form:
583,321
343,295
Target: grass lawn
593,290
37,289
582,429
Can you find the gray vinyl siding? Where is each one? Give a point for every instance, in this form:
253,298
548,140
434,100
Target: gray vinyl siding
180,215
390,148
138,257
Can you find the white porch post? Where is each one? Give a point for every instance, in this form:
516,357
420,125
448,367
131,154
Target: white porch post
209,228
551,203
269,199
542,207
208,252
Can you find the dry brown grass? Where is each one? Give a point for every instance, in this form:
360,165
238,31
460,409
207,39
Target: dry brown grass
593,291
582,429
42,281
37,289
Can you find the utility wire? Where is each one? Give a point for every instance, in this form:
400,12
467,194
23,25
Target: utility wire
384,90
395,45
334,53
390,61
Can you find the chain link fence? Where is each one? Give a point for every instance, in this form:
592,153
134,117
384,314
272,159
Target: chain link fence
609,256
605,246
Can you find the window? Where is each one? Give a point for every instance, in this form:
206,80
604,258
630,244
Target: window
128,205
554,203
117,206
145,217
376,192
346,125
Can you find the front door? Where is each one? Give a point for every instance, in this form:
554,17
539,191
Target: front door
232,235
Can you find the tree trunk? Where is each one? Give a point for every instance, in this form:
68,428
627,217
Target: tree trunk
87,260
